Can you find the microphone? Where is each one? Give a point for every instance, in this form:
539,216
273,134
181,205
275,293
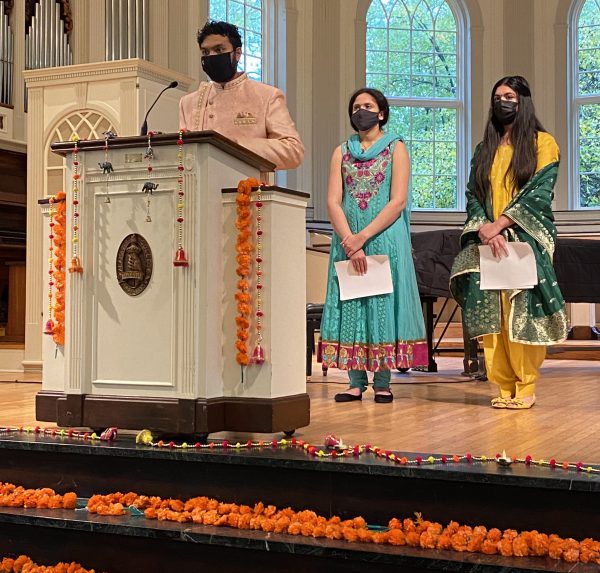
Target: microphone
144,128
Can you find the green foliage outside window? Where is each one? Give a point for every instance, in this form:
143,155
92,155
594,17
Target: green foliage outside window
588,85
247,16
411,54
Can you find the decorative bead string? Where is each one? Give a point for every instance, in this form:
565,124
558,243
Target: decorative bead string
149,156
145,438
180,256
107,167
258,356
49,328
75,223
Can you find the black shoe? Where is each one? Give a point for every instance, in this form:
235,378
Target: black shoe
345,397
382,398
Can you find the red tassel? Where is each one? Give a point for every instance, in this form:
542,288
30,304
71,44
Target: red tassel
49,329
258,356
180,259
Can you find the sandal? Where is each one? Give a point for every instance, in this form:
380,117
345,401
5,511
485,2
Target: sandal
347,397
383,396
500,402
521,403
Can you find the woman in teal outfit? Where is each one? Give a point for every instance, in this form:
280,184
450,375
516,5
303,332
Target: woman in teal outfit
368,200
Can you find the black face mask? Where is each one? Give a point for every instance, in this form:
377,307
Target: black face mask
505,111
220,68
363,119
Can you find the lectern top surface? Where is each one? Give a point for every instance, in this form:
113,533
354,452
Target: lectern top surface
210,137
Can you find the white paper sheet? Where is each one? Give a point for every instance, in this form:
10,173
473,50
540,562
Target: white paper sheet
377,280
516,271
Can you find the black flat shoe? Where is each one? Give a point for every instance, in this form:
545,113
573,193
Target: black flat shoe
345,397
382,398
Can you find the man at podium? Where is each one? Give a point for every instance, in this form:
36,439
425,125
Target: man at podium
250,113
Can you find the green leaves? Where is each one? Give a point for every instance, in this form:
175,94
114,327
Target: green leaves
412,53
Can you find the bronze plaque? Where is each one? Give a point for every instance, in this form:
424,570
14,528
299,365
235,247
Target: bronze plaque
134,264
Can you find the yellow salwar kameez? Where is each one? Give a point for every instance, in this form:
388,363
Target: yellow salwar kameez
513,366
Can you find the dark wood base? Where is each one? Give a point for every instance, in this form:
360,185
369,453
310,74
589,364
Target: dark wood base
174,415
583,333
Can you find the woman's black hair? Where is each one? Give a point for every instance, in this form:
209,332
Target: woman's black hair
213,28
523,137
382,103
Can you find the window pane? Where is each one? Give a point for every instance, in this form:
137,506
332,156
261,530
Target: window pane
418,59
587,164
589,155
247,16
430,135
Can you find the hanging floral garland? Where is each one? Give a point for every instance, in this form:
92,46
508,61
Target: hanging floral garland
75,232
59,254
180,256
55,325
244,249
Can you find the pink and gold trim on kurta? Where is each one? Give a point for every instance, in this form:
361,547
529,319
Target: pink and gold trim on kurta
374,357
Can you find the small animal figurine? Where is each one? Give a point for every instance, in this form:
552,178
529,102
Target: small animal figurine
149,187
106,167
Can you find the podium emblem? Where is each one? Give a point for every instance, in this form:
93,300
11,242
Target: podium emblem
134,264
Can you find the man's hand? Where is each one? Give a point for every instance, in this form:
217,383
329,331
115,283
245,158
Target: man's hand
359,262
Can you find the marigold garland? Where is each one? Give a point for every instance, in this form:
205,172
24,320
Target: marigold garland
24,564
42,498
58,276
410,532
244,249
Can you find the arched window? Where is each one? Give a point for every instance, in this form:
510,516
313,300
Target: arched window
585,108
248,16
85,124
416,57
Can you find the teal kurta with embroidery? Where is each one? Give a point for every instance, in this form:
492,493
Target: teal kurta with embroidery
384,331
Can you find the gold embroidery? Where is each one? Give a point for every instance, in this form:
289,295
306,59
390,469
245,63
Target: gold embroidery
199,111
244,118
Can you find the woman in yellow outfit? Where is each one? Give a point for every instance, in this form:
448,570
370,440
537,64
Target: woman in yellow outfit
509,197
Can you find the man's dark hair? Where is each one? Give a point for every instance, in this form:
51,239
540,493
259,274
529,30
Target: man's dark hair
381,100
220,29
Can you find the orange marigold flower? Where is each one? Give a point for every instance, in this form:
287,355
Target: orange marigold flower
70,500
295,528
350,534
489,547
520,547
428,540
396,537
460,540
505,547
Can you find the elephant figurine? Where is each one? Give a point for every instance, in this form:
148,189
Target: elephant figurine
149,187
106,167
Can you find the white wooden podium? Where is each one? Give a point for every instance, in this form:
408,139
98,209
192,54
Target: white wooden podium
164,358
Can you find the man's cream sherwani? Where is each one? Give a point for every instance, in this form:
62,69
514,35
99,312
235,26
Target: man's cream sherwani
250,113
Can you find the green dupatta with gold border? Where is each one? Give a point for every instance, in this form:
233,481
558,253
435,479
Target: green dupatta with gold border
537,315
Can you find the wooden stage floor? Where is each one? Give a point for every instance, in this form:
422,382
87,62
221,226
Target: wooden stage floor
438,413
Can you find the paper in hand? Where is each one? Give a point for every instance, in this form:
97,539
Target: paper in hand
377,280
516,271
